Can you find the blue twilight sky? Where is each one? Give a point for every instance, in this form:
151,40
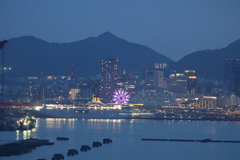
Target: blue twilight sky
173,28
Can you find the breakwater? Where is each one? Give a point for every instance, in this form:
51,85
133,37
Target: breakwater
22,146
26,146
191,140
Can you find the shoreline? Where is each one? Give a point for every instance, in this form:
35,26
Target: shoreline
161,119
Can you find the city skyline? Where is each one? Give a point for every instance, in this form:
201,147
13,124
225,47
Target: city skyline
99,78
173,28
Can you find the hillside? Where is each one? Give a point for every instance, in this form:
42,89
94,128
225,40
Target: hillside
30,56
209,63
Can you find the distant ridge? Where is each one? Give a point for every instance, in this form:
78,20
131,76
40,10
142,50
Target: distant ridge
30,56
209,63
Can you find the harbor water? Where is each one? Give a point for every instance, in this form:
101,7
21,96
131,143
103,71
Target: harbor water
126,135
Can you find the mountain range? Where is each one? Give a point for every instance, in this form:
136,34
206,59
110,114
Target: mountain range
30,56
209,63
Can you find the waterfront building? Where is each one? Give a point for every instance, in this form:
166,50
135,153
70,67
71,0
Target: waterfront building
203,102
109,79
183,97
153,96
232,76
229,102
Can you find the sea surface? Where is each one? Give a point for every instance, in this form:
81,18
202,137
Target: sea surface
127,144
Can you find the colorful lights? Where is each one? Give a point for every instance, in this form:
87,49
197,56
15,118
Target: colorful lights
120,97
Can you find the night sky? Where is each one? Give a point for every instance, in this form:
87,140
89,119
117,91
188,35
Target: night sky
173,28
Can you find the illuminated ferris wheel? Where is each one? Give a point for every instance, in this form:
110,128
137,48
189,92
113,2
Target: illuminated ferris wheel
120,96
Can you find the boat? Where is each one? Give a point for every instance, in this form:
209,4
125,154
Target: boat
26,123
100,112
13,124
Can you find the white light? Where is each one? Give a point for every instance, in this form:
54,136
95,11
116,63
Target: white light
38,108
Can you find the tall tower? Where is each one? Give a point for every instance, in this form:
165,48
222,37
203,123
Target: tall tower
109,79
232,76
191,77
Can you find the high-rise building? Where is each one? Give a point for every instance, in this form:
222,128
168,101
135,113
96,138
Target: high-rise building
191,77
183,82
109,79
127,82
232,76
177,83
154,78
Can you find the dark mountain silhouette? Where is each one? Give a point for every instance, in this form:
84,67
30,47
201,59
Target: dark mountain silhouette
209,63
30,56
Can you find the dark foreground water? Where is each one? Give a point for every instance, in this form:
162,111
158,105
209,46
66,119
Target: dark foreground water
127,135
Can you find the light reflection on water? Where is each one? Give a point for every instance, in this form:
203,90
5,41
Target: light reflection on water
59,122
22,135
127,135
70,123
